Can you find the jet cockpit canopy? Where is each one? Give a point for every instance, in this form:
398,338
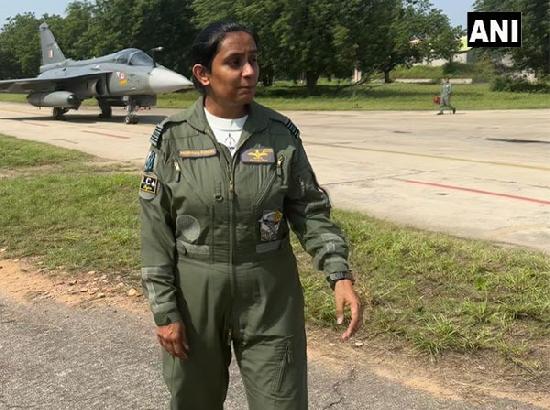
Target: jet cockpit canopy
133,56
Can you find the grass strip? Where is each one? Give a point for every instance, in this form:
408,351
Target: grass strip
15,153
333,97
430,291
441,293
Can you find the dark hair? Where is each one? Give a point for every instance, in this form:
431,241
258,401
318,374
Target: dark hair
206,44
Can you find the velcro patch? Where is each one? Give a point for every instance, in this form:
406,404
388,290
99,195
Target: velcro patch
156,138
270,222
258,156
292,128
149,184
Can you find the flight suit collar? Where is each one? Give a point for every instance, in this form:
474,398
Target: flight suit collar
257,120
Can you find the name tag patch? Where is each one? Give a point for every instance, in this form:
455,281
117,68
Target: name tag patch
149,184
198,153
258,156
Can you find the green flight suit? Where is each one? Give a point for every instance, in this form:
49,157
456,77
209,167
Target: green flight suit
216,254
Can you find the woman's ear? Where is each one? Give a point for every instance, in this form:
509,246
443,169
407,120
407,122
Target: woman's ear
201,74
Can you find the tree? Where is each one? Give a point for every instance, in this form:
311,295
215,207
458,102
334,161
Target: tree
358,36
72,33
535,51
417,31
166,23
259,15
20,44
303,32
311,38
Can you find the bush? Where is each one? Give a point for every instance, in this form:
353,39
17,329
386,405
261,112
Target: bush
518,85
480,72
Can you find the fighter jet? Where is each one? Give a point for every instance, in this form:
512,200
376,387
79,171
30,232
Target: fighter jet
129,78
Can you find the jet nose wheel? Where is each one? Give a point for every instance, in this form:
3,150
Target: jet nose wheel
58,112
131,119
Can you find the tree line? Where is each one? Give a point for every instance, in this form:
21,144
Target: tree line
299,40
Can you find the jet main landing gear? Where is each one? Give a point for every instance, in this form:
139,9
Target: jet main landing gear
106,111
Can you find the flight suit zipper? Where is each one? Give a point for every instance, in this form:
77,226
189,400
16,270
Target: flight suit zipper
278,174
226,169
285,362
232,230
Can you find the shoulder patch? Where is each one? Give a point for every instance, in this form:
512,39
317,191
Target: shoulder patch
156,138
275,116
149,184
149,162
292,128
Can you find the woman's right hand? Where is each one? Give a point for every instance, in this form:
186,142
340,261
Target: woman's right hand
172,337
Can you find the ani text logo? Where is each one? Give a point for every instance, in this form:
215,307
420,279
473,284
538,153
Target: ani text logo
499,29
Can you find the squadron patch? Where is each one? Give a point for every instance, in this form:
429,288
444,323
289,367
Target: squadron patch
149,184
270,222
156,138
150,162
292,128
258,156
198,153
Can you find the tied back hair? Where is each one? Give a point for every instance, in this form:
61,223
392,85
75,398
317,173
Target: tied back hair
207,42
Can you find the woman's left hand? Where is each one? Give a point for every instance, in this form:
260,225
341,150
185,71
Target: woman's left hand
344,295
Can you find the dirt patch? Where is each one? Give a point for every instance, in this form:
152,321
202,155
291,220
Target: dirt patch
477,379
25,282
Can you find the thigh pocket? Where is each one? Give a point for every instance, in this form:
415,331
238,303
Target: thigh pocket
285,370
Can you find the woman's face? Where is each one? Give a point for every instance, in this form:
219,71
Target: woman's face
234,72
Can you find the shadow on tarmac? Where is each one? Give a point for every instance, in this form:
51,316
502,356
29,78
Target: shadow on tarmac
91,119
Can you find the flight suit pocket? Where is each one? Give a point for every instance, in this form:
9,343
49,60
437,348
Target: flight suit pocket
194,239
282,375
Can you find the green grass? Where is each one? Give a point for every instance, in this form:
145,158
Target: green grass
429,291
18,153
478,72
329,96
441,293
16,98
378,97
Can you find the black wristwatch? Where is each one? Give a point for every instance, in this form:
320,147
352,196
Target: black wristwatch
336,276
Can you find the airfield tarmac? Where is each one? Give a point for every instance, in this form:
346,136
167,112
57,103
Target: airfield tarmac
476,174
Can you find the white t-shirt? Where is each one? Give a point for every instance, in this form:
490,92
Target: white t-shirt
226,130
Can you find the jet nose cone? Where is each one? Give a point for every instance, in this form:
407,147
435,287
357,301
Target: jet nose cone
162,80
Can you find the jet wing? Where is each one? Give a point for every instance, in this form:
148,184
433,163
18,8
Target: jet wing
48,80
26,85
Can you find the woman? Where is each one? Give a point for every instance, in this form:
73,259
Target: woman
222,183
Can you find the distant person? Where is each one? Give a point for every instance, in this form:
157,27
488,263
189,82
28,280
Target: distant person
223,184
445,97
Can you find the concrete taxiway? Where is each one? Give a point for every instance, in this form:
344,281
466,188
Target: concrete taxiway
479,174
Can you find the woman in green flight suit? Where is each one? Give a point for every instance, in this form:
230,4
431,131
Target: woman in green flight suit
222,185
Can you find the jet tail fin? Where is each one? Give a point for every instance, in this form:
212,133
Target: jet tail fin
51,53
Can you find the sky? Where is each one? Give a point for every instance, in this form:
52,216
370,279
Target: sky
455,9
